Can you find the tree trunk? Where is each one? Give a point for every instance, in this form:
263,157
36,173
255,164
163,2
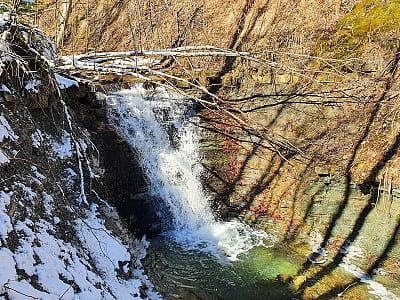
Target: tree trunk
66,11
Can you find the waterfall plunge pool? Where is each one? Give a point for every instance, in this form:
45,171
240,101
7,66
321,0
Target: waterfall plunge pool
196,256
181,273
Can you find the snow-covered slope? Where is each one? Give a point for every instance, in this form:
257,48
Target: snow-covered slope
58,238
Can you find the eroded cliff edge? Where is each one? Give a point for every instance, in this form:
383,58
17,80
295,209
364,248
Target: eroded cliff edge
59,239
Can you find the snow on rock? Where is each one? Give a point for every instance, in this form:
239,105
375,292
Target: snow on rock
64,83
5,49
108,253
70,177
24,256
22,290
5,222
60,257
48,201
8,271
38,175
63,149
353,252
5,16
26,192
6,131
3,158
50,246
64,270
32,85
37,138
4,88
374,287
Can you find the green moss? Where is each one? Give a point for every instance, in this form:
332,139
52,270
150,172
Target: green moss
266,264
27,7
368,22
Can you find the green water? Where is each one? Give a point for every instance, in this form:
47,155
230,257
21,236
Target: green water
178,273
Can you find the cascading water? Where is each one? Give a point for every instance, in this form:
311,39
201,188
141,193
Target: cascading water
196,256
155,124
147,124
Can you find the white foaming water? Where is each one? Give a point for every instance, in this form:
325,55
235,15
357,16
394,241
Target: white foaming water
149,121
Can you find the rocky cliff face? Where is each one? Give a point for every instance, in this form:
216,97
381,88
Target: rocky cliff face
59,239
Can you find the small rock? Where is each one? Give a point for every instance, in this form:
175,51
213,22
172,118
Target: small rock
321,171
283,78
298,282
284,277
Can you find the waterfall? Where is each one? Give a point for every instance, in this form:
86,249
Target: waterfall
154,123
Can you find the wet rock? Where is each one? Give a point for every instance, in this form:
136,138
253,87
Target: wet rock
97,99
8,96
123,180
37,100
284,277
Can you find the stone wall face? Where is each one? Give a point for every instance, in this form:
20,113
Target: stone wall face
320,174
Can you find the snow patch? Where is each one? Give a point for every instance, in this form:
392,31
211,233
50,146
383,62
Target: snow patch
22,290
6,131
108,254
70,178
31,85
5,49
48,201
5,16
62,270
27,191
38,175
3,158
57,263
4,88
375,288
5,222
37,138
8,271
63,149
64,83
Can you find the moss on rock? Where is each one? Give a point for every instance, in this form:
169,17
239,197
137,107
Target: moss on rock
370,21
